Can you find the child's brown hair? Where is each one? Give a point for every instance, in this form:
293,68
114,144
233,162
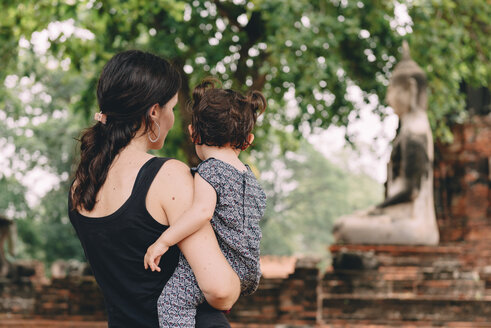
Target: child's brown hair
222,116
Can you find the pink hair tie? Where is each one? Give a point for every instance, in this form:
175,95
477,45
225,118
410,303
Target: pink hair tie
100,117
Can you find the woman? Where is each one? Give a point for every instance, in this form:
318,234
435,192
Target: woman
123,198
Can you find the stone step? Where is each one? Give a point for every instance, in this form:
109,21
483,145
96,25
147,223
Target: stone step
455,288
400,324
437,309
43,323
445,256
46,323
370,324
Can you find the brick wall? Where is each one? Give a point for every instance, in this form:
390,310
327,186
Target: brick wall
292,300
463,192
463,181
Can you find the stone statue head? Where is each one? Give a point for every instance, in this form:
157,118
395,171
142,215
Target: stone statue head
407,87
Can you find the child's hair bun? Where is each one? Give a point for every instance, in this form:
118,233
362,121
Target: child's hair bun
207,84
257,101
224,116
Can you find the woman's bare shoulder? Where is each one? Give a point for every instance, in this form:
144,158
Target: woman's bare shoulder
173,189
175,173
174,167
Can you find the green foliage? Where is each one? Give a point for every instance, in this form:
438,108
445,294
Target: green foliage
276,45
42,127
315,47
303,205
47,234
56,236
450,40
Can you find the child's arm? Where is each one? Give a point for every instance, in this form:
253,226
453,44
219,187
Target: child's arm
200,212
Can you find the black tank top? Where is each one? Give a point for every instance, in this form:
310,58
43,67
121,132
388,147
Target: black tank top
115,245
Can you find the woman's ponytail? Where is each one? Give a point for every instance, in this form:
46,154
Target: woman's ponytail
130,84
99,146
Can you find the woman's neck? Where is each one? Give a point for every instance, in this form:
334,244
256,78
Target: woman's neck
137,147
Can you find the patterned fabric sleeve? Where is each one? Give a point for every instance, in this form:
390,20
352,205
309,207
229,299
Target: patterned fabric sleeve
209,170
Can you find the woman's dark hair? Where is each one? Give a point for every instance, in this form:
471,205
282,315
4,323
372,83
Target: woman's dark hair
131,82
222,116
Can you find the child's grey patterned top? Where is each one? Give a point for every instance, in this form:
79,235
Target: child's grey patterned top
241,203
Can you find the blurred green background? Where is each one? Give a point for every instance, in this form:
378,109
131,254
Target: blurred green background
303,55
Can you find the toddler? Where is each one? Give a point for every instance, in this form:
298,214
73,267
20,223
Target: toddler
225,192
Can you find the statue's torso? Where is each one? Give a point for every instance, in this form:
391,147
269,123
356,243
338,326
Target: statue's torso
411,159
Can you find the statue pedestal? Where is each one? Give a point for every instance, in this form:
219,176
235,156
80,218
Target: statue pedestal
393,285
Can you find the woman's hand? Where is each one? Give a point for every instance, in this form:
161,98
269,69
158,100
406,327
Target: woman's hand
153,255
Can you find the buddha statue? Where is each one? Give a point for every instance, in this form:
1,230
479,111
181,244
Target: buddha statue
407,215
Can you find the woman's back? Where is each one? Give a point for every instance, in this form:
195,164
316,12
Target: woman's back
115,245
116,209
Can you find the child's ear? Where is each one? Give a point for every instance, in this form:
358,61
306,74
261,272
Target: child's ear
250,138
191,130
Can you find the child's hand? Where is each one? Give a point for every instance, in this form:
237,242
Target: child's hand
153,255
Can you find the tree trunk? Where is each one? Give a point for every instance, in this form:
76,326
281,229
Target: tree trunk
185,112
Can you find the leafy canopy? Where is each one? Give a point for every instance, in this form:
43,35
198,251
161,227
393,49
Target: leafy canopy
311,50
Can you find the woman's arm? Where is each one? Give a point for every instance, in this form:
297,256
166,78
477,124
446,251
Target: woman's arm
216,278
200,212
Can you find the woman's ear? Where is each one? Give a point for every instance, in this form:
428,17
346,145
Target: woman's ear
154,112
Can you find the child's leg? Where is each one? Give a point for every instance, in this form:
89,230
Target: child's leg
181,295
